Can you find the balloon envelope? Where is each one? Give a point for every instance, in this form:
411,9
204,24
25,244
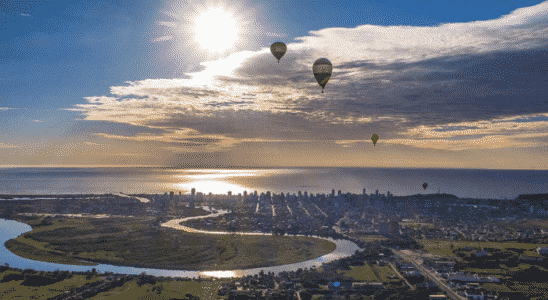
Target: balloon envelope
424,185
374,138
322,69
278,49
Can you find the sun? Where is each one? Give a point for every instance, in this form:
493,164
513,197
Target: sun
216,30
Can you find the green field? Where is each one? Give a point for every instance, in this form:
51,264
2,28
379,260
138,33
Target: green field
18,288
139,243
168,290
382,272
362,273
370,273
367,237
443,247
14,284
416,225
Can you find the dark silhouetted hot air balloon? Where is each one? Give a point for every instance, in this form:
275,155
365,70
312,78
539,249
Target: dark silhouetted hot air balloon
374,138
424,185
322,69
278,49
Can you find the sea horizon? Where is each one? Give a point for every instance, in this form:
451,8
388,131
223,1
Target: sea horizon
463,183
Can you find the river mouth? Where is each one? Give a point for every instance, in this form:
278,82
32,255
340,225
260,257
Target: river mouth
343,248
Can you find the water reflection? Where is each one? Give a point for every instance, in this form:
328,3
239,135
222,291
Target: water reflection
211,186
218,181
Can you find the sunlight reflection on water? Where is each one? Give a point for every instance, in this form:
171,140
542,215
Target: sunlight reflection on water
218,181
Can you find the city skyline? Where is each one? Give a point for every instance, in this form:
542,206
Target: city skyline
119,83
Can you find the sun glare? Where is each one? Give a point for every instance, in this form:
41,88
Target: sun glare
216,30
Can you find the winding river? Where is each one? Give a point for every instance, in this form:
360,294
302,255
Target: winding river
12,229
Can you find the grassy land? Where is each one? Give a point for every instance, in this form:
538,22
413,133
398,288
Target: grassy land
362,273
19,289
443,247
168,290
134,242
382,272
367,237
416,224
370,273
15,284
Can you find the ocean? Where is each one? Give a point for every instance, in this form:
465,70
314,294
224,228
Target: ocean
492,184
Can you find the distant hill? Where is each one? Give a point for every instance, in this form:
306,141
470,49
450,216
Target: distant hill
432,197
532,197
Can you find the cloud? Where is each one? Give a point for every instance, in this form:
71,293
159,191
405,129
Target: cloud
4,145
25,15
512,132
163,38
275,34
453,86
38,121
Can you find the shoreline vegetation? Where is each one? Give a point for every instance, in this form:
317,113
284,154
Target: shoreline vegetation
58,285
83,236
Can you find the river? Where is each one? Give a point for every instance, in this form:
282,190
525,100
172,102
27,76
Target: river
11,229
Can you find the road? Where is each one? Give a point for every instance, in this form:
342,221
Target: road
289,209
400,276
410,255
144,200
321,211
306,211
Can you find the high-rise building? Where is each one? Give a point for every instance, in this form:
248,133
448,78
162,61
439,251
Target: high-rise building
376,192
333,192
363,192
339,193
193,191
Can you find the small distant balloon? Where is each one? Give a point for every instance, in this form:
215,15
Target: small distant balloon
424,185
374,138
278,49
322,69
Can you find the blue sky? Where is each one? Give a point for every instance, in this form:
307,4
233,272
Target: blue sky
443,83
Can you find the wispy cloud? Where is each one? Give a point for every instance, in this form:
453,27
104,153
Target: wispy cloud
25,15
4,145
163,38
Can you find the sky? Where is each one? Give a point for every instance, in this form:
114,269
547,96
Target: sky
445,84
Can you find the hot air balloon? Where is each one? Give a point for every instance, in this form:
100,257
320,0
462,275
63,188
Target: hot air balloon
322,69
374,138
424,185
278,49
